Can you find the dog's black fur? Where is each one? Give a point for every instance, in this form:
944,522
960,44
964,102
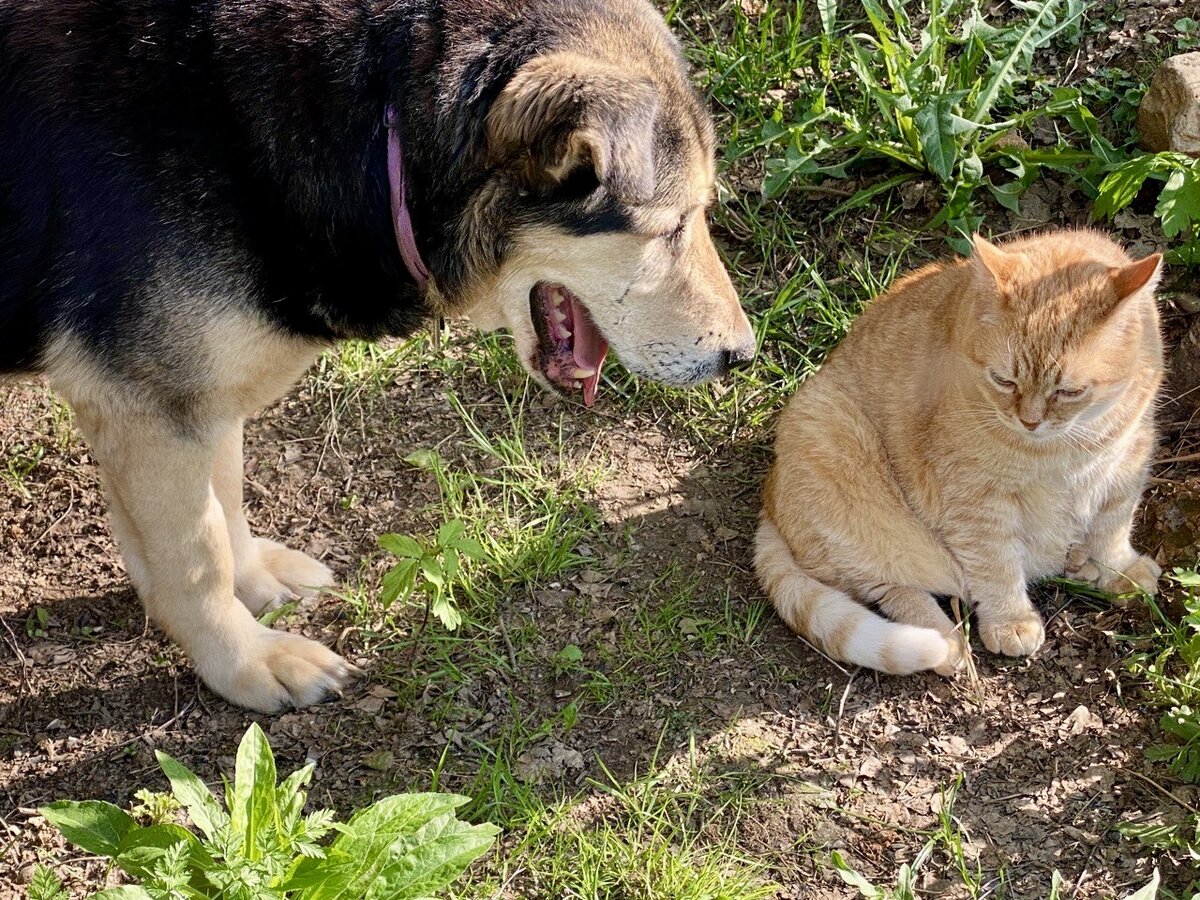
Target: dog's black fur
196,196
241,144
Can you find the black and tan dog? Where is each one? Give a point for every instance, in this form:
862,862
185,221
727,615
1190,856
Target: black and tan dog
197,197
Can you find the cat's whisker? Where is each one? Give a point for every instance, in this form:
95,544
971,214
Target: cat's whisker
1002,470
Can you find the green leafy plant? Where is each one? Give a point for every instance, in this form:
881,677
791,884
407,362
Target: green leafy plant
430,569
568,659
936,98
38,622
1187,32
1178,206
1172,675
153,807
20,462
45,885
260,845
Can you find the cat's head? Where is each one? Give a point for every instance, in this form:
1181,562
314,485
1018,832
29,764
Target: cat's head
1062,326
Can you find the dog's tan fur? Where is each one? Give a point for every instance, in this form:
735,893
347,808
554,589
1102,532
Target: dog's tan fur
164,410
620,277
904,470
175,502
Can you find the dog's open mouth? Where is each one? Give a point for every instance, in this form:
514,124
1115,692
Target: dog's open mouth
571,349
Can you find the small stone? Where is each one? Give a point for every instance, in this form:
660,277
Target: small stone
1169,116
1011,140
870,767
370,705
379,760
1080,720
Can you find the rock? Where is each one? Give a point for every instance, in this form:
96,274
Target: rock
1169,117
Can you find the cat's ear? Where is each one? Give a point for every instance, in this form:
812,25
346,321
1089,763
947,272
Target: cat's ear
1128,280
991,261
1131,283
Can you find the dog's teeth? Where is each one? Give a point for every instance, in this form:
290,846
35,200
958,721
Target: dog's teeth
557,298
558,315
563,334
583,373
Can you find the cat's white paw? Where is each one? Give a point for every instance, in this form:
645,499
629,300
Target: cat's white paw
273,670
956,656
1077,559
277,574
1018,636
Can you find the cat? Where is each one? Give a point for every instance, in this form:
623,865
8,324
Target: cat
987,422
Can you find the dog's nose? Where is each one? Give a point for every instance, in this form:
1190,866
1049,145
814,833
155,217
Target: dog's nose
739,357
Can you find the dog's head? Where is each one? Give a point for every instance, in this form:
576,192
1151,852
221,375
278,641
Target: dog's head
601,177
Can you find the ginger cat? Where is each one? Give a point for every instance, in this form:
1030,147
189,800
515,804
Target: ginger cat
987,422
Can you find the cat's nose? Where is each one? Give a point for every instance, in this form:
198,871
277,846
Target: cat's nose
1030,426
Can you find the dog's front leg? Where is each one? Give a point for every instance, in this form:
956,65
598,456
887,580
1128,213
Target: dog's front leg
264,573
169,520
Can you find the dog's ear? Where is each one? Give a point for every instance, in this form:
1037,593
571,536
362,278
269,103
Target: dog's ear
563,116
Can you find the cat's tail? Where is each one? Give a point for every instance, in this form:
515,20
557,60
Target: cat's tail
834,622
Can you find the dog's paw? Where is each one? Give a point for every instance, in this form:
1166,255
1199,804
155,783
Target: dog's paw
1018,636
274,670
277,574
259,590
299,573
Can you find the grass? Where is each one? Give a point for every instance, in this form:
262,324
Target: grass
503,687
680,830
19,460
805,262
1169,667
650,837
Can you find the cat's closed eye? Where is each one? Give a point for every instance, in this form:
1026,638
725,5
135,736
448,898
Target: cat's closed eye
1003,383
1065,393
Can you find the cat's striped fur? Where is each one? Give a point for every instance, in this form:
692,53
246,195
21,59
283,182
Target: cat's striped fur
986,422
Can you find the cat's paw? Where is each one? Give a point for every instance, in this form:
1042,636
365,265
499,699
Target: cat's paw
956,655
1077,562
1018,636
1142,574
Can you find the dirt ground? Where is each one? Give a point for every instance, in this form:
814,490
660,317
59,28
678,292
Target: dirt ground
1049,750
1047,753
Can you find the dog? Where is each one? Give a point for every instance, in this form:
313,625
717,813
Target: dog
197,198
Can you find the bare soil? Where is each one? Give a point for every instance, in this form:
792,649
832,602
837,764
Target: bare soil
1049,750
1047,753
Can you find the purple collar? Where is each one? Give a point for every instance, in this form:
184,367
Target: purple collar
406,241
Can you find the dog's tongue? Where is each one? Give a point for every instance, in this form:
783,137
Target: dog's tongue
589,349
